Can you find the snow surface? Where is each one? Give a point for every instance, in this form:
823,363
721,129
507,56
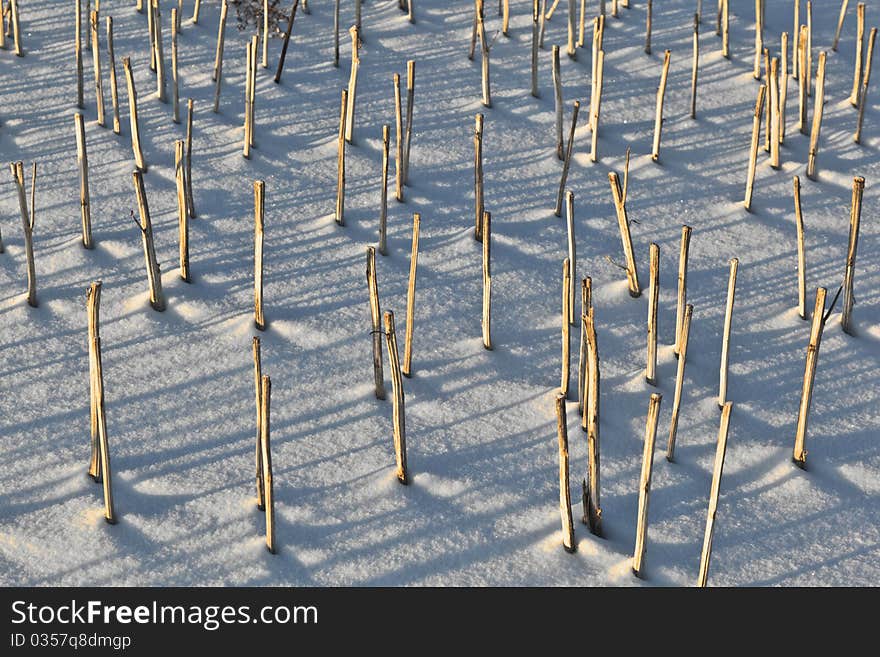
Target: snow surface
482,508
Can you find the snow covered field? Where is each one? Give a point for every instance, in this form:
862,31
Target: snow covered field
482,507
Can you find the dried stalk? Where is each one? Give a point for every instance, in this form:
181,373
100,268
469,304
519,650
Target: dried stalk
653,297
682,285
16,28
352,83
855,216
593,509
566,331
774,133
843,6
478,177
217,77
82,160
753,148
264,60
132,112
857,137
398,416
96,61
383,210
375,323
266,451
800,453
411,297
567,161
725,29
645,481
783,86
801,266
78,55
797,50
802,80
658,119
632,274
175,95
535,35
808,50
259,217
725,340
109,509
190,206
679,383
340,163
817,117
154,276
484,68
557,91
768,128
720,452
286,42
596,107
486,236
572,251
182,215
27,225
160,55
586,304
695,66
114,91
398,153
759,39
860,51
410,100
258,397
93,304
564,486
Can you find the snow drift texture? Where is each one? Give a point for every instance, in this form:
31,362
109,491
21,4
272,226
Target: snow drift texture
482,508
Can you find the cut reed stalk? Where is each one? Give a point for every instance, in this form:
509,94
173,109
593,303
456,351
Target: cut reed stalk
340,163
818,106
753,148
486,235
411,297
658,119
801,260
857,137
133,117
645,481
725,339
375,323
82,159
800,453
720,452
259,224
154,275
566,164
679,383
566,329
653,298
564,485
266,452
398,417
855,216
632,274
114,91
682,286
258,397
